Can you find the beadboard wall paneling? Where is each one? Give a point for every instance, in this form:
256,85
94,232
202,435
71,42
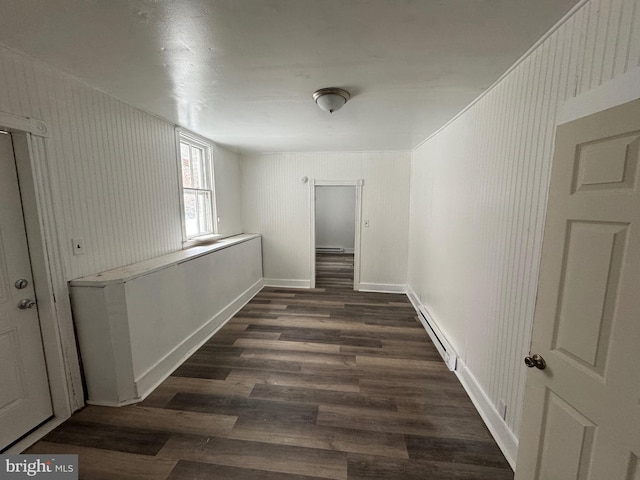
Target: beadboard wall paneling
479,192
385,205
276,204
228,181
113,171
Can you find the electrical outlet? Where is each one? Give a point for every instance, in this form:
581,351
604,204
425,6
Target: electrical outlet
78,246
502,409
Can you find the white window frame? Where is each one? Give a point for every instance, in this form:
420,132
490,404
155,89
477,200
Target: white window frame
183,136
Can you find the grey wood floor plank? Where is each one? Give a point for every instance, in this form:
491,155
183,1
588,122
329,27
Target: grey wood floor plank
324,383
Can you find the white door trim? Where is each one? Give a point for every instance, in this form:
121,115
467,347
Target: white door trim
620,90
29,138
313,183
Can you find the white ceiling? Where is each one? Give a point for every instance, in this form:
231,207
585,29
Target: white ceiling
241,72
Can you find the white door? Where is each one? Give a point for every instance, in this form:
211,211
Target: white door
582,413
24,389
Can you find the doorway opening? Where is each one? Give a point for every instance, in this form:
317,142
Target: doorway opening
335,234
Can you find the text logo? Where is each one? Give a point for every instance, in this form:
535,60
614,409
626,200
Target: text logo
52,467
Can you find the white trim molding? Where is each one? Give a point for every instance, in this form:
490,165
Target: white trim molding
525,56
286,283
358,184
498,428
54,309
23,124
381,288
620,90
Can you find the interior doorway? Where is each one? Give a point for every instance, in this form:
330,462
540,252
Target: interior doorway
335,234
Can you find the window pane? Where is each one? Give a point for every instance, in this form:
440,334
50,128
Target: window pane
190,213
204,212
185,159
198,171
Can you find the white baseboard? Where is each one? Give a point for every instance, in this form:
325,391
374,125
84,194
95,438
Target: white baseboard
381,288
36,435
503,436
159,372
286,283
413,298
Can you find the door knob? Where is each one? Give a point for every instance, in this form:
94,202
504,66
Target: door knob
26,303
535,361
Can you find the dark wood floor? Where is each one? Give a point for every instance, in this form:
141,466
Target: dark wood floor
334,270
299,385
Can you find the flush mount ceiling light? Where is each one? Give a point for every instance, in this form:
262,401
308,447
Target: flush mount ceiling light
331,99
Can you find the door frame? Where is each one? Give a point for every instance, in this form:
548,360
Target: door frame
54,309
358,184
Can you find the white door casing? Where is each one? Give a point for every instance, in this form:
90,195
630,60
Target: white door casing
24,394
581,415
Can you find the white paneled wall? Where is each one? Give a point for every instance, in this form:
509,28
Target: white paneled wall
228,181
112,168
479,191
276,204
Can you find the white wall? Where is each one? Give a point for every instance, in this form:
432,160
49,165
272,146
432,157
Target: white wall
479,191
276,204
335,217
228,180
112,168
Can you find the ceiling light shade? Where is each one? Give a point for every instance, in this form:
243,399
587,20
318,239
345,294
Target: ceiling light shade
331,99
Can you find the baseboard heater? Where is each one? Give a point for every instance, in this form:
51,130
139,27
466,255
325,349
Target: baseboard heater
445,350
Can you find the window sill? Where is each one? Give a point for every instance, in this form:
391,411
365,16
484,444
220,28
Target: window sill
203,240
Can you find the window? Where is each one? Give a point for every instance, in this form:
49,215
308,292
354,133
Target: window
197,187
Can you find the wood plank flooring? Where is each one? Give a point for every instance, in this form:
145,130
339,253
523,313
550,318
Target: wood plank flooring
299,385
334,270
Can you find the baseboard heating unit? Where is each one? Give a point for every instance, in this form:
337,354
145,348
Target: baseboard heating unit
329,250
445,350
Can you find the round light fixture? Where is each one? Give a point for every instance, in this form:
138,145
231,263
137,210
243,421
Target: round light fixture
331,99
